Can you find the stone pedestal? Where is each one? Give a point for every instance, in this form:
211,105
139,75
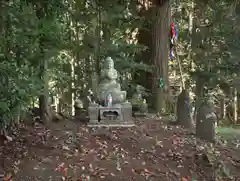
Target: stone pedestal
93,112
78,113
127,111
111,114
119,115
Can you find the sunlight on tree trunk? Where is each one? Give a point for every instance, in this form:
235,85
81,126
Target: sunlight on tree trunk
73,85
190,31
57,103
190,18
238,106
222,108
235,106
160,38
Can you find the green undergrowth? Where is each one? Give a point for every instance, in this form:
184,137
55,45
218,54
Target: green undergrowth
229,132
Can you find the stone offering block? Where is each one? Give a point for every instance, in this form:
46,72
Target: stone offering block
112,124
127,111
111,114
116,116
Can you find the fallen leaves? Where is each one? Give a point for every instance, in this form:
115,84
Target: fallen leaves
184,179
62,169
7,177
166,153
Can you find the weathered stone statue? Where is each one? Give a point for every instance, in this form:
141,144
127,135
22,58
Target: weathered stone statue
140,106
184,117
111,106
108,84
80,113
205,122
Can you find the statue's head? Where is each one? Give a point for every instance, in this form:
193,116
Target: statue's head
108,63
138,88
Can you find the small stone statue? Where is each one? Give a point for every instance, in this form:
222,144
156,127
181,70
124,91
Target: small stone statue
206,122
184,117
108,84
140,106
138,94
80,113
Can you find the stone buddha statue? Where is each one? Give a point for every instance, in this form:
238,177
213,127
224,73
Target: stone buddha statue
139,104
109,85
138,95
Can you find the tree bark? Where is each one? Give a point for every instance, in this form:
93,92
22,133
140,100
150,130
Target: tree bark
72,65
73,85
160,40
222,108
199,94
140,76
234,98
98,41
45,114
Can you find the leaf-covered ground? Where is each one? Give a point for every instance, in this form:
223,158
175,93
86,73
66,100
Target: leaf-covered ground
152,151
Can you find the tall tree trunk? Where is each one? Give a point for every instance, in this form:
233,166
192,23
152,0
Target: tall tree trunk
222,108
43,75
43,99
238,106
106,32
196,44
72,65
160,40
98,41
235,107
140,76
199,94
73,90
45,114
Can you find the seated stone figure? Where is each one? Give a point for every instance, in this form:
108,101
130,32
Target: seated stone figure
111,106
140,106
108,84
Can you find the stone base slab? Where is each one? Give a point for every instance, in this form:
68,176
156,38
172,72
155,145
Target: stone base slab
111,124
139,114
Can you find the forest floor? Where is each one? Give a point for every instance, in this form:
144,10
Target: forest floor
152,150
